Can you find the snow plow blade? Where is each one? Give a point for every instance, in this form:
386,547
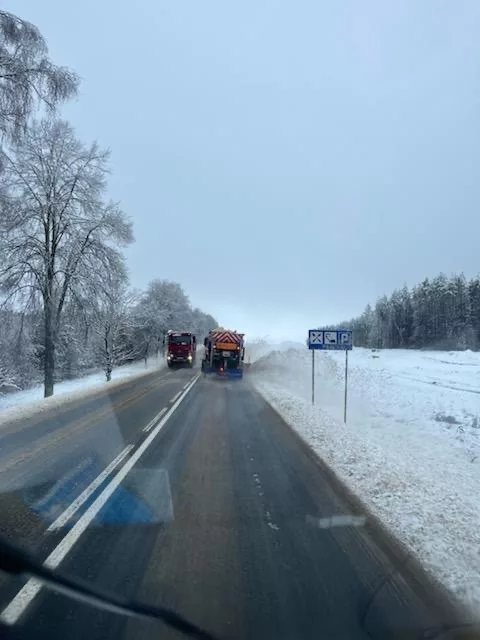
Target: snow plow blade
235,374
228,374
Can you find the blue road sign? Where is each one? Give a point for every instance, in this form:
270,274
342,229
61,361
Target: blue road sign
330,339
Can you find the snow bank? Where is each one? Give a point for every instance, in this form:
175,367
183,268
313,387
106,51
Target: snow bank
23,404
410,450
258,348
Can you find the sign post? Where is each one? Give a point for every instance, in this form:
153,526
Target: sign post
315,341
346,387
313,376
331,340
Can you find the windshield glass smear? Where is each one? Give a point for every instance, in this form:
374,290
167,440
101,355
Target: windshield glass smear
239,353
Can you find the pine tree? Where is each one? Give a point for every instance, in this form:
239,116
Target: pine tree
442,313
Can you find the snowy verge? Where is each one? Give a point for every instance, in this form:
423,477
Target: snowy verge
410,449
24,404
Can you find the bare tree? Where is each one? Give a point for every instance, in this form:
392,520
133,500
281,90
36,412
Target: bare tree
56,231
202,323
164,306
113,324
146,329
17,349
27,76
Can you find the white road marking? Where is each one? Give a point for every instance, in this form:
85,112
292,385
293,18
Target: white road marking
153,422
26,595
83,497
337,521
20,602
175,396
270,523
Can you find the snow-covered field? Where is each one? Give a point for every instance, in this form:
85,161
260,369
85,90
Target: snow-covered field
20,405
410,449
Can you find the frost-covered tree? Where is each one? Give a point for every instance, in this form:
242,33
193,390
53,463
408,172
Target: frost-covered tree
27,75
56,230
113,323
163,306
99,329
422,314
171,304
439,296
202,323
474,312
442,313
459,311
18,348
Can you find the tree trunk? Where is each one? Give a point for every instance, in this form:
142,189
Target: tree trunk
108,356
49,362
145,354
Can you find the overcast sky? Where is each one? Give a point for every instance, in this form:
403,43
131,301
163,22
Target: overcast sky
286,162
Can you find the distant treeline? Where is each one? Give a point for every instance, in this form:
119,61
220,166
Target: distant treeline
438,313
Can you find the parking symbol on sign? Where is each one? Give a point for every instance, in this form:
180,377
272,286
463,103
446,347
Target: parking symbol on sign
346,338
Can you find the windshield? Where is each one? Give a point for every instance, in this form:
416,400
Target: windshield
180,340
296,187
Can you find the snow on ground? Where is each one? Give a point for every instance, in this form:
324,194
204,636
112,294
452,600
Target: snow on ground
257,348
22,404
410,449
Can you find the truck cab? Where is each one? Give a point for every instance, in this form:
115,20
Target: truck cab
181,348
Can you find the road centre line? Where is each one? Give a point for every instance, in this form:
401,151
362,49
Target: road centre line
175,396
29,591
85,422
92,394
153,422
83,497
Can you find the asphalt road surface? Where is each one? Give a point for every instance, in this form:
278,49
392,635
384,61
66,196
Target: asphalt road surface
193,494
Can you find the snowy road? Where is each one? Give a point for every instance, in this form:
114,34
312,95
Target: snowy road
208,504
410,450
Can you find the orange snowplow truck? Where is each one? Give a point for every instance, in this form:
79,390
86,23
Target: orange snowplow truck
224,353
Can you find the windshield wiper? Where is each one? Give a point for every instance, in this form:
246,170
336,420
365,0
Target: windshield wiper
17,562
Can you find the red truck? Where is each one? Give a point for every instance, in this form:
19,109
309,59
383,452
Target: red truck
181,348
